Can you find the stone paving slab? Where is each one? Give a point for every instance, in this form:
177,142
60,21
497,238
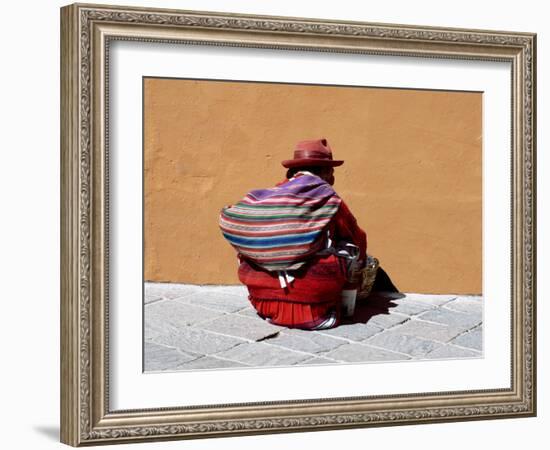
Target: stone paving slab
248,311
431,331
305,341
436,300
160,357
472,339
194,339
410,308
388,320
166,313
242,327
190,327
452,351
157,291
452,318
150,297
354,332
260,354
473,305
319,360
210,362
220,301
360,353
226,289
403,343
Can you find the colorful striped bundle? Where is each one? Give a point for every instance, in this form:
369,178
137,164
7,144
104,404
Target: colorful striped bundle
278,228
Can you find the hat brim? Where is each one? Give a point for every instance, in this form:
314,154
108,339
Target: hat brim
290,163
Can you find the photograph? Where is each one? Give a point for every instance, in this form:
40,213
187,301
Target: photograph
294,224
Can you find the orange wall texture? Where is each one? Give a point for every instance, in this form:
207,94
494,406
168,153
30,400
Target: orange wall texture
412,174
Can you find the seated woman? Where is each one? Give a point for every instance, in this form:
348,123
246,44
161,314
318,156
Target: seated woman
298,243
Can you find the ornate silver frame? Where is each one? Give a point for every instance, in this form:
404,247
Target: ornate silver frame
86,31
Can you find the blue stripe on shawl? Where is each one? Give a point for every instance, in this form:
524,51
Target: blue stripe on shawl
273,241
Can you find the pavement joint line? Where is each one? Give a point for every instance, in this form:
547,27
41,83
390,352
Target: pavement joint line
181,300
245,340
204,322
224,350
433,323
375,334
447,301
242,343
331,360
351,341
427,295
431,307
440,323
189,294
450,308
301,351
467,348
262,367
150,302
465,332
347,340
224,313
321,332
391,327
163,299
414,302
462,348
364,344
168,286
184,297
203,307
447,358
225,294
218,357
338,361
320,353
199,355
413,317
323,353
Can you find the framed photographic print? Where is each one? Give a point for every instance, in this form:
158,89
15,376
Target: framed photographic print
276,224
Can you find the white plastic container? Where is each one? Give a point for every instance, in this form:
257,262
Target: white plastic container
348,301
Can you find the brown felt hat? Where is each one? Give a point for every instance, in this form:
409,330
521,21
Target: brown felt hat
314,152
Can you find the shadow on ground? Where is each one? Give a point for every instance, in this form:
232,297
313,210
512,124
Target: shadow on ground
378,302
375,304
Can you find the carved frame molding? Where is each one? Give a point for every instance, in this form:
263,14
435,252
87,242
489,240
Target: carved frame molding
86,31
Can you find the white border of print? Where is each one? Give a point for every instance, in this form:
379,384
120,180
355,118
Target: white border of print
132,389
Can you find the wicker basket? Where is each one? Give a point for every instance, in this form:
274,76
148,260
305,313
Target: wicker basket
368,275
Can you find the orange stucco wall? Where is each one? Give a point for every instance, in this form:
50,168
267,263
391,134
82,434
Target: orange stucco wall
412,173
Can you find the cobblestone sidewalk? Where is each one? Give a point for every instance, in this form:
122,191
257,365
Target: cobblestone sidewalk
189,327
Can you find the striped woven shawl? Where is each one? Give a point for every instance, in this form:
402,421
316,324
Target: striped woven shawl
278,228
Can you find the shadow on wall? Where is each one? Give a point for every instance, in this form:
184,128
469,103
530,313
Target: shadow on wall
383,283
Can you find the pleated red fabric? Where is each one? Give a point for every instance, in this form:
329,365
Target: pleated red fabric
313,295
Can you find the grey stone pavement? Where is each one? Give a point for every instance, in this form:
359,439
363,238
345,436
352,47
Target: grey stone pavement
191,327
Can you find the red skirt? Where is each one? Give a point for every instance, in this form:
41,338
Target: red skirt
313,295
